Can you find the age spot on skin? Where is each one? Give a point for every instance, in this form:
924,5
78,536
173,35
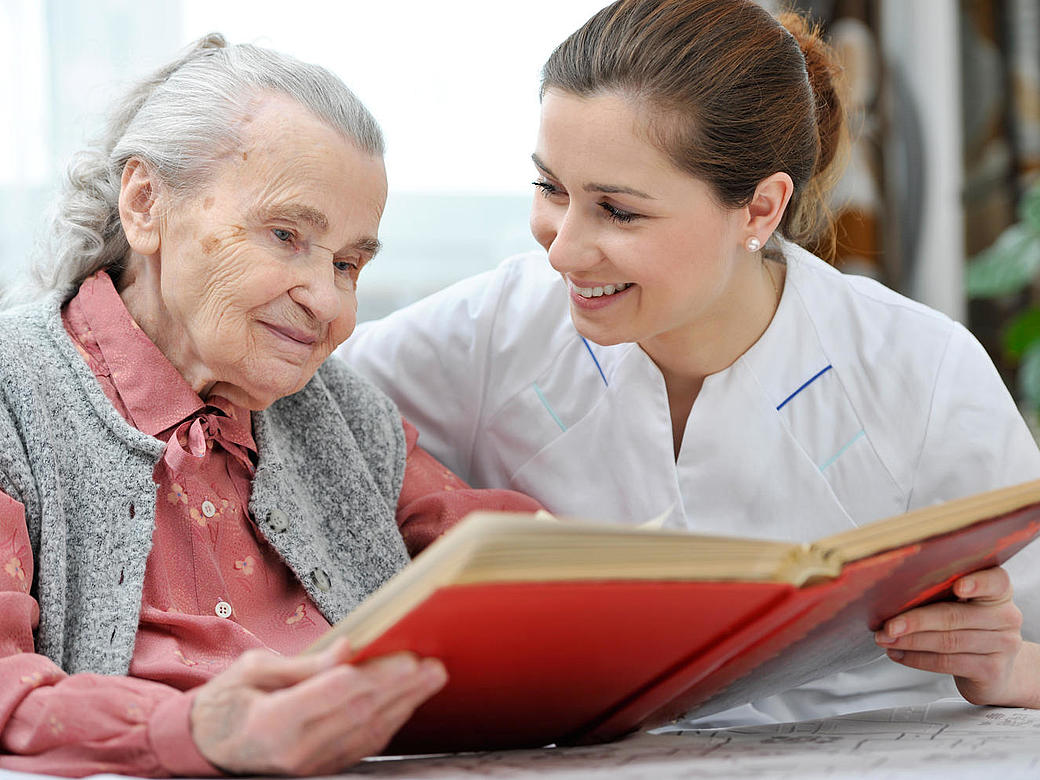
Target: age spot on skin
245,156
210,244
207,204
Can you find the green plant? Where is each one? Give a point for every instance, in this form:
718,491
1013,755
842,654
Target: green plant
1010,267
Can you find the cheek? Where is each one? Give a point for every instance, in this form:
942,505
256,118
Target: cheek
543,222
224,268
341,328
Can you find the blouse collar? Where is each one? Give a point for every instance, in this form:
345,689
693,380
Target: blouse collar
153,391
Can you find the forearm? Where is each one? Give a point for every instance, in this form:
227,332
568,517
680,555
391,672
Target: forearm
54,723
85,724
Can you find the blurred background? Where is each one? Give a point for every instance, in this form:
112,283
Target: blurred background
944,100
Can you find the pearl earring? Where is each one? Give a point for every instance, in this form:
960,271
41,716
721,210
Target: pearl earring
753,244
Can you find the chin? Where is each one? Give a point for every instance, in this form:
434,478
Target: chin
609,341
598,337
271,394
258,396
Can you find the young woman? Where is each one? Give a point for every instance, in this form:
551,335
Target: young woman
682,354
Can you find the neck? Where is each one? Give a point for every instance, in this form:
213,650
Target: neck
140,290
714,342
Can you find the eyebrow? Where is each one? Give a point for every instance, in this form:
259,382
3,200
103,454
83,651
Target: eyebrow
369,245
297,212
609,189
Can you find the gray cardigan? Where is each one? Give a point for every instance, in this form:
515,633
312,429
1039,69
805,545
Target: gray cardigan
331,464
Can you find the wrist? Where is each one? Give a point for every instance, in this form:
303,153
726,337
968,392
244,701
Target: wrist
1022,688
1026,677
171,740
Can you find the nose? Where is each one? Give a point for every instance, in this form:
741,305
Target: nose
570,243
318,290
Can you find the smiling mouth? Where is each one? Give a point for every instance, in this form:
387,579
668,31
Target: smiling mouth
598,292
297,336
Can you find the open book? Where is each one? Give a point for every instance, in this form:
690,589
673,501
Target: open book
574,632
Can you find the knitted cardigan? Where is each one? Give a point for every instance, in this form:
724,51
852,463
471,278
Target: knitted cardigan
331,464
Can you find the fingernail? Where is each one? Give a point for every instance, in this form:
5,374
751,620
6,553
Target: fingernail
402,665
337,652
431,665
881,637
434,672
339,645
895,655
895,627
965,587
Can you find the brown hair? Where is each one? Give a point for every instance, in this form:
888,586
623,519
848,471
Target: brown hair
732,95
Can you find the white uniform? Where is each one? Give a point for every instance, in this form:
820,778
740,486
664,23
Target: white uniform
854,405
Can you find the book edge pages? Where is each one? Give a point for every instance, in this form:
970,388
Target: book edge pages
924,523
466,555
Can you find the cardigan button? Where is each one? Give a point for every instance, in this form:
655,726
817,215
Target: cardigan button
277,520
223,609
321,580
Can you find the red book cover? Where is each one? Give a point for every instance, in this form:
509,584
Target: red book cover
538,662
529,663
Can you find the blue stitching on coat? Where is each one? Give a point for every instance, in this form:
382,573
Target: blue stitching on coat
819,373
839,453
548,408
589,348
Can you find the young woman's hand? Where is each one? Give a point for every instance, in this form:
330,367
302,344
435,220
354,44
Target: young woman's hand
977,639
307,714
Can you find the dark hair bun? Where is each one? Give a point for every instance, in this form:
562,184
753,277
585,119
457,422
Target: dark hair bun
825,79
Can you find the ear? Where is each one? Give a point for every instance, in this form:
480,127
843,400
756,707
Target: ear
768,204
139,207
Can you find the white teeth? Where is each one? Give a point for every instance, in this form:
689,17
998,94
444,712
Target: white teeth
597,292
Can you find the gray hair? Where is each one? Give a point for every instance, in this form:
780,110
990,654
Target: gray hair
181,121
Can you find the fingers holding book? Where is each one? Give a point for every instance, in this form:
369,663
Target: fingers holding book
309,714
977,639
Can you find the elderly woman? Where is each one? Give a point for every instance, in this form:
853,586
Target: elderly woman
185,480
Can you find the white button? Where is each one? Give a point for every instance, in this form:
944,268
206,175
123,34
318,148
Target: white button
278,520
223,609
208,509
321,580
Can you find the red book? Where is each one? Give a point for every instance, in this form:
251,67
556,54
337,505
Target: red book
562,632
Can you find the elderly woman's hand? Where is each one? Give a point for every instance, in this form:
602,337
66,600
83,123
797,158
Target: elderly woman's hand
309,714
977,640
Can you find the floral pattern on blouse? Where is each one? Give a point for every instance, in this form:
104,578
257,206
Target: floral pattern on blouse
15,554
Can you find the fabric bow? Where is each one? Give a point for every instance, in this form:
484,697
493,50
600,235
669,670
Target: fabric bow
189,443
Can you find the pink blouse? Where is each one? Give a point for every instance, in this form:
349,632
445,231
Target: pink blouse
213,586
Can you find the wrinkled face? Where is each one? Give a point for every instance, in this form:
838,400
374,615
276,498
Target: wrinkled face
647,253
258,273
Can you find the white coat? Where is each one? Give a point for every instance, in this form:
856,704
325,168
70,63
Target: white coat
854,405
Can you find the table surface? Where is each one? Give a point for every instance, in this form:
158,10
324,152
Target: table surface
948,739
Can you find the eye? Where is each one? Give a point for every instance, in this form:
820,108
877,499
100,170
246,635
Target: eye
547,189
348,267
618,215
283,235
